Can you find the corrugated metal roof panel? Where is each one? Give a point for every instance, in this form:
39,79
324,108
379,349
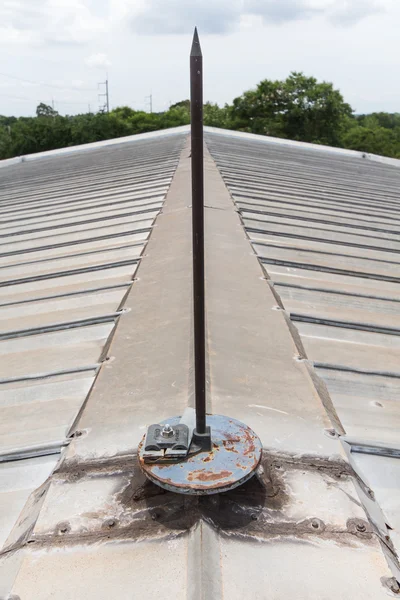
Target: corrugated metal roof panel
72,235
96,527
326,230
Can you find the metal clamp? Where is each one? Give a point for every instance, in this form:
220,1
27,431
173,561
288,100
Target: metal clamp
170,443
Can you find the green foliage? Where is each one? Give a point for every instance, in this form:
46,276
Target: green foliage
182,104
44,110
297,108
48,130
214,116
372,138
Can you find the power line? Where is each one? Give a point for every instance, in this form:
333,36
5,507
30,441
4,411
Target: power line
51,85
70,102
15,97
25,99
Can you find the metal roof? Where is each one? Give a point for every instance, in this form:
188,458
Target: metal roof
72,233
301,347
326,230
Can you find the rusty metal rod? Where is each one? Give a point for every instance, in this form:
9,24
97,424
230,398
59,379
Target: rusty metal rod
196,117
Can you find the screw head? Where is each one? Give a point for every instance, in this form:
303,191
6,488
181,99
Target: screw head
393,585
361,528
167,431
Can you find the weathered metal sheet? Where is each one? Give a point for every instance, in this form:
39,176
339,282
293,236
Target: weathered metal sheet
17,481
41,412
72,234
326,231
98,528
152,351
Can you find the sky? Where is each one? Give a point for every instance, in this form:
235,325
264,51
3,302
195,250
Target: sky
60,50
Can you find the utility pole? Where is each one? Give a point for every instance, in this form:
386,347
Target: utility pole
150,99
106,105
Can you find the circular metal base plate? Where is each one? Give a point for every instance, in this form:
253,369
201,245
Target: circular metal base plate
234,457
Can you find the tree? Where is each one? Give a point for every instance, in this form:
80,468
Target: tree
44,110
182,104
298,108
373,139
215,116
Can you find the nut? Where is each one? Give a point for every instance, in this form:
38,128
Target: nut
167,431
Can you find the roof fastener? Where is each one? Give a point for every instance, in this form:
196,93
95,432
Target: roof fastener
167,431
361,528
393,585
110,523
315,524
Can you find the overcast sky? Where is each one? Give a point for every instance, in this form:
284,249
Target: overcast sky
60,49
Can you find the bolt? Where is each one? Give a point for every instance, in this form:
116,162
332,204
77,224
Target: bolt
110,523
155,516
331,433
315,524
393,585
254,517
167,431
64,528
361,527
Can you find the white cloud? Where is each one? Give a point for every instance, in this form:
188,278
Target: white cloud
349,12
222,16
98,60
37,22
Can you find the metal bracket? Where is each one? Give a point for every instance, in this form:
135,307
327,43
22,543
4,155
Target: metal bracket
163,439
170,443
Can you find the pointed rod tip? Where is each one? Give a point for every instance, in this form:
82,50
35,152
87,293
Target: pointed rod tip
196,49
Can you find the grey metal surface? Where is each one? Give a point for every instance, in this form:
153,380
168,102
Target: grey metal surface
17,481
72,233
326,230
97,528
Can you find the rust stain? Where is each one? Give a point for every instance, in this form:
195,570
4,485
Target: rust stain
228,445
208,458
249,440
240,466
203,475
231,438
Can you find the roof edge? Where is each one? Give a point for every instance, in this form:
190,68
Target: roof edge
395,162
94,145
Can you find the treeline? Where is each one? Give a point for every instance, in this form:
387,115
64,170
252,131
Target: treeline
298,108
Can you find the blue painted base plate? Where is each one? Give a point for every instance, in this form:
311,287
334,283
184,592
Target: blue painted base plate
235,455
